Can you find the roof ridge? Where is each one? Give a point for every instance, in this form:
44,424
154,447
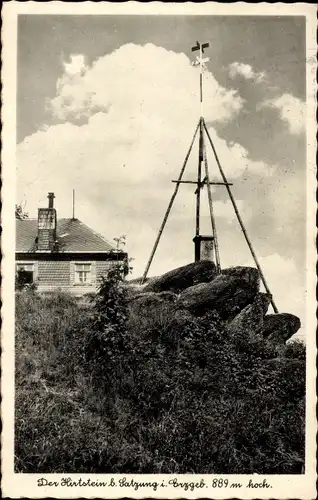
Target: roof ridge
99,235
74,234
35,218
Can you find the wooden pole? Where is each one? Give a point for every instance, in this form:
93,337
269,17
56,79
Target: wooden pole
199,185
201,84
204,182
215,238
169,207
73,204
239,219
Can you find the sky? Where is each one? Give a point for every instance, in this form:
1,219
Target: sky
107,105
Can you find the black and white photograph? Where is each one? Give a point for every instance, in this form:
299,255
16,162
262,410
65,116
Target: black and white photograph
159,272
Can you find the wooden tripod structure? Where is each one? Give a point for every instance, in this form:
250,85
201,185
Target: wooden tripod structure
202,131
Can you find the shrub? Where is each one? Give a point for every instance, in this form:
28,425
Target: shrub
295,349
22,281
114,387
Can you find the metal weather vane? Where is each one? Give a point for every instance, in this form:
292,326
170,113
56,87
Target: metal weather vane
200,61
200,183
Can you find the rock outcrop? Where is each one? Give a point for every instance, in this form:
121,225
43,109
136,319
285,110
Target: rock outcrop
150,298
228,293
183,277
146,299
248,275
133,290
279,328
195,289
251,318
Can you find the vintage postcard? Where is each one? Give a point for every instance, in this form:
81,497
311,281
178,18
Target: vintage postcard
158,299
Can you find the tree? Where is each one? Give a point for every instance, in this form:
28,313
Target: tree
20,212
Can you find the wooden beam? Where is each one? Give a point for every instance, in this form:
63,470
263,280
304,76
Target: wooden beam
203,182
170,205
208,185
239,218
199,179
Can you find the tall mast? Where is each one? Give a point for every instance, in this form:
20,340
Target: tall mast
212,240
200,61
73,204
199,181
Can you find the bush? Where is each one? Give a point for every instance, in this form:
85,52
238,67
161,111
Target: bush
295,349
22,281
114,387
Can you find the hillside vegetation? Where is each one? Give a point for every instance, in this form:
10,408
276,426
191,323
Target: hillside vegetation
118,385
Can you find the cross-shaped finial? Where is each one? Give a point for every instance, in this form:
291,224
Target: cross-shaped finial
201,46
200,60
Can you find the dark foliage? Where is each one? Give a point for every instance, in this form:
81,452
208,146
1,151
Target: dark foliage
113,387
20,213
22,281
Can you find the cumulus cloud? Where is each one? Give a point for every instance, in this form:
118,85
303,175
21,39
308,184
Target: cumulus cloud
76,66
235,158
122,179
136,79
287,286
141,109
291,110
246,71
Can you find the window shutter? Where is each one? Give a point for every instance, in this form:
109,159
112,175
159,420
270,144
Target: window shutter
72,273
36,272
93,271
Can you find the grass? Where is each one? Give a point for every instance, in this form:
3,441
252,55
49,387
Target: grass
143,390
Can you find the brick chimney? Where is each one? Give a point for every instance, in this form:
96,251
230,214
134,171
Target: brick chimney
47,226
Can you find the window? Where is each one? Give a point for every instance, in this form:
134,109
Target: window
25,273
83,273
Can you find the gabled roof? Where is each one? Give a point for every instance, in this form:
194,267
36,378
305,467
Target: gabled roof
72,236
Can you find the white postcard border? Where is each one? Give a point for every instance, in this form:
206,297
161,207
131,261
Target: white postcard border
25,485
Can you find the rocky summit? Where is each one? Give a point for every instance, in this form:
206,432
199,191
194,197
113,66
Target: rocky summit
234,294
251,318
183,277
228,293
280,327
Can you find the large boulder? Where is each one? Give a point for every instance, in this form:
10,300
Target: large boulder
251,318
138,281
146,299
153,298
182,277
279,328
133,289
228,293
168,296
248,275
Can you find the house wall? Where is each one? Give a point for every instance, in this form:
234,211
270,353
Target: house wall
102,267
55,274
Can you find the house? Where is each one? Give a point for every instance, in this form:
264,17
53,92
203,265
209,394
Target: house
62,254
